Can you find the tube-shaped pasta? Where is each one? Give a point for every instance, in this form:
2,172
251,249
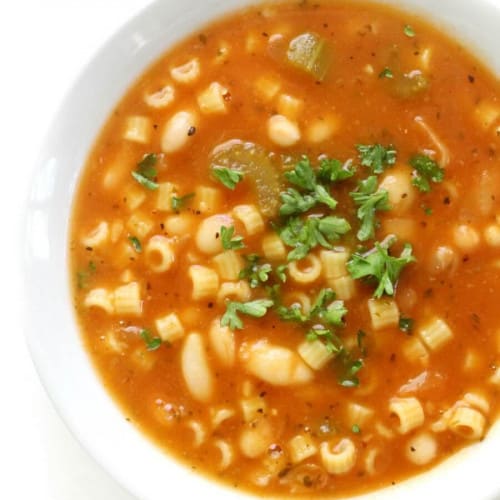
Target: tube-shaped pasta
250,218
384,313
344,287
226,452
266,87
134,196
100,298
97,236
414,350
334,263
229,264
300,447
252,408
205,282
305,271
299,298
315,354
139,225
195,368
178,130
159,253
186,73
467,422
138,129
180,224
275,365
127,299
409,412
199,432
165,192
222,343
340,458
206,199
435,334
220,415
273,247
211,100
169,328
239,291
161,98
289,106
358,414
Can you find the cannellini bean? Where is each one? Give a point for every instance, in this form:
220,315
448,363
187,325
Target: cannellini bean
400,191
466,237
274,364
255,439
195,369
222,342
283,131
444,258
208,238
177,131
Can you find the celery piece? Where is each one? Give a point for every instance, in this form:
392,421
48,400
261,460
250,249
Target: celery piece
310,53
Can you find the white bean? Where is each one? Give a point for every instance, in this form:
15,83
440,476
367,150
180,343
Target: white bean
177,131
195,368
283,131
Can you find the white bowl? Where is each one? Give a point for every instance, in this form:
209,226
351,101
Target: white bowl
55,344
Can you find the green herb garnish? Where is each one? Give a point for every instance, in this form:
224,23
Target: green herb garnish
254,272
178,202
228,241
227,176
136,244
406,324
386,73
152,343
409,31
83,276
331,170
376,157
369,200
377,265
426,170
255,308
146,172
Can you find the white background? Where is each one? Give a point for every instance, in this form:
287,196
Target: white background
43,46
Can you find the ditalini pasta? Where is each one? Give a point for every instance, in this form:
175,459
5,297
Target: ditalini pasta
285,249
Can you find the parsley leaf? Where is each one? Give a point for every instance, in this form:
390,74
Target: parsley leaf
227,176
136,244
302,175
152,343
294,202
228,241
254,273
292,313
280,272
376,156
409,31
83,276
406,324
386,73
348,377
356,429
332,170
332,343
178,202
256,308
381,267
305,234
369,201
146,172
425,171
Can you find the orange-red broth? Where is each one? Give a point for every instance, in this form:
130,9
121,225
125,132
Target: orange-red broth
460,106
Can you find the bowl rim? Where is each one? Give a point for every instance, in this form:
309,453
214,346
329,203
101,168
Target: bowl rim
39,207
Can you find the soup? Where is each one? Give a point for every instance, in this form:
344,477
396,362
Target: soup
285,249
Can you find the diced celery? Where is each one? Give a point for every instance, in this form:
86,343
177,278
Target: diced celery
256,164
310,53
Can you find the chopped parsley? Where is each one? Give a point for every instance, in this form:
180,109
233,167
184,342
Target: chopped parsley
426,170
255,308
376,157
136,244
386,73
254,272
331,170
83,276
378,266
356,429
406,324
178,202
146,173
409,31
280,272
227,176
369,200
230,242
332,343
350,368
305,234
152,343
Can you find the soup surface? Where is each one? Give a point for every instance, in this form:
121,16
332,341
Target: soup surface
285,249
